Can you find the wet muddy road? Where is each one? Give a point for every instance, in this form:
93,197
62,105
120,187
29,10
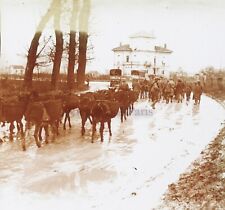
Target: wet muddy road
131,170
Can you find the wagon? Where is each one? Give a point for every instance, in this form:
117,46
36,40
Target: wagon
115,77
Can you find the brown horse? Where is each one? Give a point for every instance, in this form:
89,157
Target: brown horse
86,102
103,111
42,114
70,102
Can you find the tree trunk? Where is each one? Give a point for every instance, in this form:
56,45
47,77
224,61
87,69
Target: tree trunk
71,63
31,60
57,59
59,48
83,38
32,53
72,47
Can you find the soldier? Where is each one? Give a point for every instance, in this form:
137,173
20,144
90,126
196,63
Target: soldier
136,86
123,86
188,90
145,83
179,90
155,92
197,92
168,92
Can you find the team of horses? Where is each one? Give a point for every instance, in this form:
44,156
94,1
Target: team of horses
46,110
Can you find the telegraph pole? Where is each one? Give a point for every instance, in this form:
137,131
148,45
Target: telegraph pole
154,68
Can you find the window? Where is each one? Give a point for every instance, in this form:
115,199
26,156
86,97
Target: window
127,58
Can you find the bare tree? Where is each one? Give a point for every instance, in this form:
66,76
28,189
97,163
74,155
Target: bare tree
72,45
32,52
59,46
83,39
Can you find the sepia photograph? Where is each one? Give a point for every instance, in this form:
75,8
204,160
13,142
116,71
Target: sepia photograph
112,105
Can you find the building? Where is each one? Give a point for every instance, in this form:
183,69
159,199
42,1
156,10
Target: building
16,69
142,53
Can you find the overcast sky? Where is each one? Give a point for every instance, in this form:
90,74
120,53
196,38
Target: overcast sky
194,30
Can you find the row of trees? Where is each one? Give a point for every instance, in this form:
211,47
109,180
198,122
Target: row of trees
213,78
78,25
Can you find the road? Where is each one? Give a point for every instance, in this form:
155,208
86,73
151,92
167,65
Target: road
131,170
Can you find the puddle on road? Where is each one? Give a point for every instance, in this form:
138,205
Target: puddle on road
74,182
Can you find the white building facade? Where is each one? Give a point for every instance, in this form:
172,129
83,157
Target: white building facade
142,53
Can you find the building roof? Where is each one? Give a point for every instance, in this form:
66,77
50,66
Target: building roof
143,35
125,47
160,49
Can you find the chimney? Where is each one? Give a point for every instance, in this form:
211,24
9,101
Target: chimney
120,44
165,46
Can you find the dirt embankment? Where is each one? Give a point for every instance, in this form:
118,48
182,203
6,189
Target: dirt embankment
203,186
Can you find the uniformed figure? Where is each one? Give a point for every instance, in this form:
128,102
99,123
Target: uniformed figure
197,92
123,86
188,90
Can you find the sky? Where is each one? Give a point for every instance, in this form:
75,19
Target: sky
194,30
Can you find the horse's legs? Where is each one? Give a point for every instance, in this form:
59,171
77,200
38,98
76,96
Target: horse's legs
70,126
124,113
39,133
54,130
36,134
121,114
22,136
64,124
89,117
18,126
21,128
57,127
109,126
3,124
83,121
46,133
23,143
67,117
154,102
101,130
199,99
93,130
82,126
131,108
11,128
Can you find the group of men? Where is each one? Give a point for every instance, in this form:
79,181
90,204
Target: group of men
169,90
